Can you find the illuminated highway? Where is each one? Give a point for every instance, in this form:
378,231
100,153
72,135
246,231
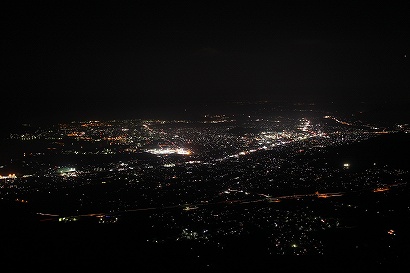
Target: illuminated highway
187,207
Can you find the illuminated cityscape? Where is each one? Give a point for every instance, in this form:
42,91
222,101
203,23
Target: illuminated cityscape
185,136
284,180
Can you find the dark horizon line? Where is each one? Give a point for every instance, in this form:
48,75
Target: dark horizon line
175,108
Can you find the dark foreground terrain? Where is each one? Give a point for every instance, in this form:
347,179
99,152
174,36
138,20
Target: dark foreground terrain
29,244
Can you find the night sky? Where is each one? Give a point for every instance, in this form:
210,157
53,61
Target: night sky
71,60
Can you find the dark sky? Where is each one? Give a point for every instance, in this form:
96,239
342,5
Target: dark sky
72,59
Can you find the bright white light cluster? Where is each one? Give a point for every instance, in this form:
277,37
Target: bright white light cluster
166,151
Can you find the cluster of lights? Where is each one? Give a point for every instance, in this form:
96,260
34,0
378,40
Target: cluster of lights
167,151
10,176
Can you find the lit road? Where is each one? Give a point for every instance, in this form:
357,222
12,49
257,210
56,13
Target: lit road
263,198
